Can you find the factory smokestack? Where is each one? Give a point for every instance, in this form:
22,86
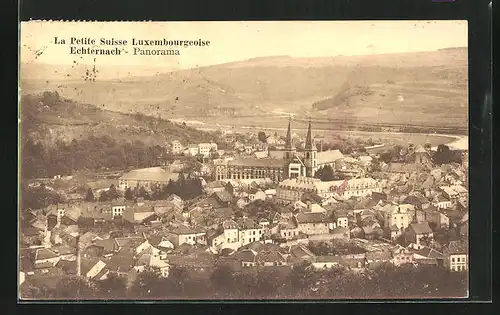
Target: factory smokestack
78,257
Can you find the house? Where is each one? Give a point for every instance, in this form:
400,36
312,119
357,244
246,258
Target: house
71,215
396,215
257,194
394,232
454,192
311,223
353,261
215,186
377,258
342,219
230,232
146,259
326,262
242,202
418,201
249,231
270,193
437,219
175,200
441,202
46,255
420,234
428,256
133,244
372,231
299,253
146,177
271,258
401,256
177,147
288,230
140,214
457,256
189,235
340,232
247,257
224,198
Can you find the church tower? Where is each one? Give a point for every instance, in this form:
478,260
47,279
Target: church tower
311,153
289,147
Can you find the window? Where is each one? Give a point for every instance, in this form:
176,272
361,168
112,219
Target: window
453,260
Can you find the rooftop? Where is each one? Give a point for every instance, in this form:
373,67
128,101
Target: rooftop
311,217
421,228
254,162
154,174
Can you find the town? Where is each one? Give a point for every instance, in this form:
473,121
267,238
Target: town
251,204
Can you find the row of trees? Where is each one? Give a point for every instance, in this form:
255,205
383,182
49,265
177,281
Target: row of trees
186,188
264,283
443,155
93,153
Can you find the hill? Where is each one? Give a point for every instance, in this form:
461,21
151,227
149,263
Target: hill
423,88
47,117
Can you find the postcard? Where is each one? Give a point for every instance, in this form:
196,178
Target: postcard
259,160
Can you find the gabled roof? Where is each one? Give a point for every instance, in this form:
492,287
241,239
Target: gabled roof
246,255
68,266
300,251
45,253
246,224
328,259
107,244
457,247
379,255
311,217
64,250
340,230
429,253
229,224
421,228
130,242
223,196
329,156
122,261
154,174
270,256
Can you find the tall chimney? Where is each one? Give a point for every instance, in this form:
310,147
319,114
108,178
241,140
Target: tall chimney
78,257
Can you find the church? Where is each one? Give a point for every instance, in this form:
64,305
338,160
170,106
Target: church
289,163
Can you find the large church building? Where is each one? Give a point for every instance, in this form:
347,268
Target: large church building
290,162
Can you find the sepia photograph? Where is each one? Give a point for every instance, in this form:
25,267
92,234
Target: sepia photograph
235,160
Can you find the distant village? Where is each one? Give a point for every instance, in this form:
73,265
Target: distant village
247,202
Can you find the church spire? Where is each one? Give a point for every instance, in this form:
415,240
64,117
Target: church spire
309,141
289,143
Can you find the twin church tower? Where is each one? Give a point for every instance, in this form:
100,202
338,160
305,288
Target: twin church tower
305,162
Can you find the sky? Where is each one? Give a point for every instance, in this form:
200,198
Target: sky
235,41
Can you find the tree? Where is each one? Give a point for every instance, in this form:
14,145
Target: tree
426,240
229,188
148,284
386,157
113,192
74,287
178,276
114,286
262,137
129,195
142,193
444,155
90,195
325,173
103,196
223,280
